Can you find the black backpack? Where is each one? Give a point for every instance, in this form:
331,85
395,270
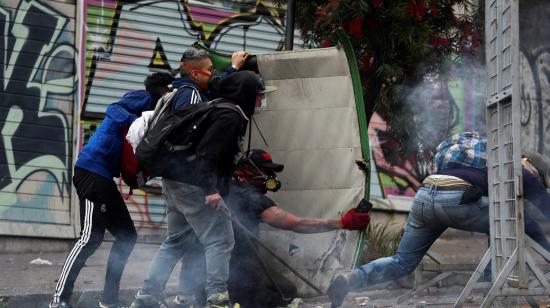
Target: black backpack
174,132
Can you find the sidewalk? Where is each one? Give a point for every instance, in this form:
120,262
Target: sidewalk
26,285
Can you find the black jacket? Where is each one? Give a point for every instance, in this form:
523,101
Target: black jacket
213,163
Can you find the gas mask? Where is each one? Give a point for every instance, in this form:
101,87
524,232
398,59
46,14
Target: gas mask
266,182
247,173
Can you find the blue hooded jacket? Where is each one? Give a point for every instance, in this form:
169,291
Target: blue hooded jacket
101,155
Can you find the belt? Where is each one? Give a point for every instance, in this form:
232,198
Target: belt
445,183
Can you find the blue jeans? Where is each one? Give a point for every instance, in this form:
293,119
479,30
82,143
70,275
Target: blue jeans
432,212
189,222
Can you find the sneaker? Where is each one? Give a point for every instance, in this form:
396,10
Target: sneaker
340,286
220,300
145,300
186,301
61,304
101,304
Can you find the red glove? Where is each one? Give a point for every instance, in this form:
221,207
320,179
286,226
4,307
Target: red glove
354,220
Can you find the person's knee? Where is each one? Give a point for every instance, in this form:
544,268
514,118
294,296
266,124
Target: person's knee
94,241
128,237
126,240
222,243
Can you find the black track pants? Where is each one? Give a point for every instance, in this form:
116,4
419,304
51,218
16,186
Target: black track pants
101,208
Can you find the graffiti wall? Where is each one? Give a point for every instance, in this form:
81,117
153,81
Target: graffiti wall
454,106
124,41
460,106
37,88
535,72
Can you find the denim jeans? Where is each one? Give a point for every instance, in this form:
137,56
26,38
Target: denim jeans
190,220
432,212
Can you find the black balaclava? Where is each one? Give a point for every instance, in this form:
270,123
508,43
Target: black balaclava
240,88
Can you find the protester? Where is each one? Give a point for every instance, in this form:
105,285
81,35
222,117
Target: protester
451,198
197,74
101,205
193,192
249,284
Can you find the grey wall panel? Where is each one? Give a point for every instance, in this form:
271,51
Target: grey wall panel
317,139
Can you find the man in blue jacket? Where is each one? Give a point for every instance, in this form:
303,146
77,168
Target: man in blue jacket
196,75
101,205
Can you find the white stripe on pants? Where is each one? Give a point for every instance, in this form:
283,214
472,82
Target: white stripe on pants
84,238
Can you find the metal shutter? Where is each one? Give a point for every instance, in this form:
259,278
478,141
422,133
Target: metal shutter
124,42
38,82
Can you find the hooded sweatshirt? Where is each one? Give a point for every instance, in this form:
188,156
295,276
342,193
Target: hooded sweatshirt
101,155
241,88
221,134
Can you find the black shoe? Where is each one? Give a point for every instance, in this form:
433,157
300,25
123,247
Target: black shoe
340,286
220,300
61,304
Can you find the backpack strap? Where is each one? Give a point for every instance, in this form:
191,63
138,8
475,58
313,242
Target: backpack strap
216,103
232,107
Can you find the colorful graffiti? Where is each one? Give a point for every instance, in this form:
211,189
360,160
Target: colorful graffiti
454,106
37,81
127,40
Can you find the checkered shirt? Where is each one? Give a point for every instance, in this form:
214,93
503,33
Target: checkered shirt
467,149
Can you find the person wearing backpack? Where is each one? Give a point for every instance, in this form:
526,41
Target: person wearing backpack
101,204
449,198
249,283
193,189
197,76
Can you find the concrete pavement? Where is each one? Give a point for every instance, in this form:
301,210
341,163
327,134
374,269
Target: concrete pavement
27,285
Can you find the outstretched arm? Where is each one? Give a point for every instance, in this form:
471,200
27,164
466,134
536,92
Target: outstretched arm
281,219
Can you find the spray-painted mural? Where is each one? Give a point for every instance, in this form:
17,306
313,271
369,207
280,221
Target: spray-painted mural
127,40
454,106
37,85
535,72
124,41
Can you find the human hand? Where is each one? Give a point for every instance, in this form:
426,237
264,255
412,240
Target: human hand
354,220
214,201
238,58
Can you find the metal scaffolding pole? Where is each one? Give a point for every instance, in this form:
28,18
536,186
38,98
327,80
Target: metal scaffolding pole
511,263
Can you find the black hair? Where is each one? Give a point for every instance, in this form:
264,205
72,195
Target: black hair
157,84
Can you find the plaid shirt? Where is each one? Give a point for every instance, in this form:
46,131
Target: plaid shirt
467,149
